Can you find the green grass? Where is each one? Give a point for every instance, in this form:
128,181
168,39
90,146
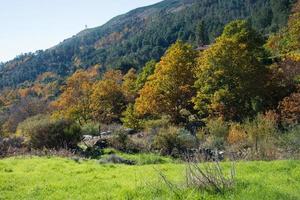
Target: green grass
59,178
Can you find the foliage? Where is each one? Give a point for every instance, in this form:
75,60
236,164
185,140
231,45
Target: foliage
231,74
130,118
287,41
129,85
237,135
74,103
10,146
289,110
217,127
290,141
21,109
107,99
169,89
90,128
262,133
147,71
174,141
44,132
121,141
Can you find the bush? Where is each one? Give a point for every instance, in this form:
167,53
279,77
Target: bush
121,141
130,119
289,109
210,177
262,132
236,135
91,129
174,141
44,132
11,146
290,142
217,127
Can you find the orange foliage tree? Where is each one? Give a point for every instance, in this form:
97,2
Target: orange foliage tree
107,99
74,103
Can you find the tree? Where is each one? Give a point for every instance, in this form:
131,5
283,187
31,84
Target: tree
201,34
107,99
129,85
169,90
145,73
74,103
231,74
287,41
130,118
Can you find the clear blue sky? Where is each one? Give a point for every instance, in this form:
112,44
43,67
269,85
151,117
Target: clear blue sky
30,25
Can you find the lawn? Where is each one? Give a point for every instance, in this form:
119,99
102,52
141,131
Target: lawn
61,178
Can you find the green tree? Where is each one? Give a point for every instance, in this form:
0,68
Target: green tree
129,85
231,74
130,118
145,73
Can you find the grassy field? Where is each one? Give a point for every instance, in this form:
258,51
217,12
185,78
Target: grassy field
59,178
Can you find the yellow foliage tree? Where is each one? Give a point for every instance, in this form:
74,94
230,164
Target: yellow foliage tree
107,98
170,89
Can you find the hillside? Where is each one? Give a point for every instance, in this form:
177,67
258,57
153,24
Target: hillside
136,37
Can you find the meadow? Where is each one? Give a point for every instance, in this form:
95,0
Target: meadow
65,178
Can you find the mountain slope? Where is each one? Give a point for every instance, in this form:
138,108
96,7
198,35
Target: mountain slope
143,34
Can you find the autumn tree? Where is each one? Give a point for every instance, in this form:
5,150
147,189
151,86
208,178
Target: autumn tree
289,109
107,99
170,89
21,110
74,103
231,74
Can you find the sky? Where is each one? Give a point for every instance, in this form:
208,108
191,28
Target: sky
30,25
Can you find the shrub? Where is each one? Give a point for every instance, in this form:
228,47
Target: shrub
210,177
214,134
217,127
214,142
91,129
44,132
289,110
290,141
174,141
11,146
236,135
162,122
130,119
120,140
262,133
